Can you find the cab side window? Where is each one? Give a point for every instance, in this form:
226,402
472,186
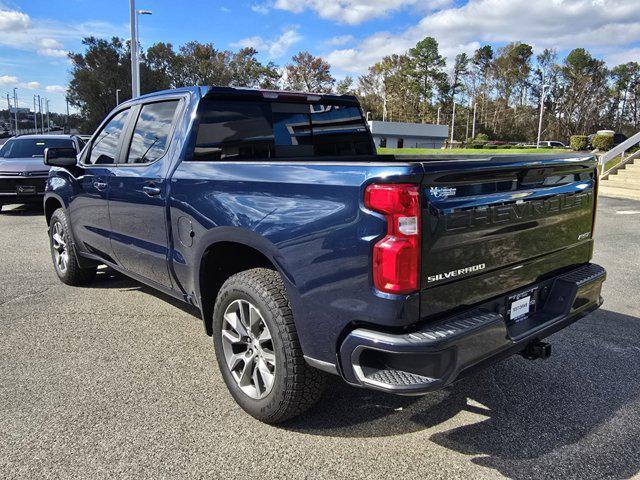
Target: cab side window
151,135
104,149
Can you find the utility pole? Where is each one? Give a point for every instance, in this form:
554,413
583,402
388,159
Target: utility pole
541,111
384,100
35,115
68,123
15,105
453,123
41,115
466,135
48,122
473,128
9,111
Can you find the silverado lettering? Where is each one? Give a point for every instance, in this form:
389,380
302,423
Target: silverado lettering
455,273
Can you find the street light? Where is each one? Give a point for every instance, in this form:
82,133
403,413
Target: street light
15,105
135,62
541,111
35,115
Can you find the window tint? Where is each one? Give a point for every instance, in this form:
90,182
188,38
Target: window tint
105,147
234,129
151,134
249,129
339,130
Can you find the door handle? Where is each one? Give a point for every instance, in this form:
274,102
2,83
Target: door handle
102,186
151,190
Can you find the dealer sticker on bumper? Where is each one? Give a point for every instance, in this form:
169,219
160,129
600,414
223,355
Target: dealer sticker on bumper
520,308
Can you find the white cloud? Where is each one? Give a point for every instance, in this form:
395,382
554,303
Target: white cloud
598,25
262,8
275,48
340,40
13,21
353,12
623,56
56,89
52,52
8,80
47,37
49,43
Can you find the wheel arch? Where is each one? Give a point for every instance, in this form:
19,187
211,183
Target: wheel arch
224,257
51,204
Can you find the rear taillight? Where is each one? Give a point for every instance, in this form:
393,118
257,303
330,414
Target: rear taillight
396,258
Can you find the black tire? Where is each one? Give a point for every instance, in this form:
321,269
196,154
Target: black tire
297,386
73,274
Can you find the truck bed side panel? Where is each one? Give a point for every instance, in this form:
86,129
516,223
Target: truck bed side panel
309,220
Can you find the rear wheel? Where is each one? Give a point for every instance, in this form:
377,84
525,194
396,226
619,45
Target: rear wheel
258,351
65,260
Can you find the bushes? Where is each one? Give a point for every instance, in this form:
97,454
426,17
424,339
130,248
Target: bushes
602,142
482,137
578,142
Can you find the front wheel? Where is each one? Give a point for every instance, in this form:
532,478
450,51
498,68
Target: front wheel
258,351
65,260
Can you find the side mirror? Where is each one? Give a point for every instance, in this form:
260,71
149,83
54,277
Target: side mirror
60,157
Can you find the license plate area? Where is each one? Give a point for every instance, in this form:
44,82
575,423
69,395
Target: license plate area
521,305
25,189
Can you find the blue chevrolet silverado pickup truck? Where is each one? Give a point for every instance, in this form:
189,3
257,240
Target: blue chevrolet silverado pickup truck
307,254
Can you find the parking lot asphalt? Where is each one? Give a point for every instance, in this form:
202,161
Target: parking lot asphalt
116,381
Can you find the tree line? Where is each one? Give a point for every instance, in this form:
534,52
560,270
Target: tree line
504,86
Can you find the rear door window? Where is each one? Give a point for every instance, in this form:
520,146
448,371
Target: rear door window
151,134
104,150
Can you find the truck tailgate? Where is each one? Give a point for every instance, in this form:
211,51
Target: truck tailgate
493,225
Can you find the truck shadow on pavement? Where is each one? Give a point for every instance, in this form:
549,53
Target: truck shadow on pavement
575,415
27,210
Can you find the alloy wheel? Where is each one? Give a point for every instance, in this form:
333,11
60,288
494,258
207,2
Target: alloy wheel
248,349
60,250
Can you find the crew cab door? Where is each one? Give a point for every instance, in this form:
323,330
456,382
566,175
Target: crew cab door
138,192
88,209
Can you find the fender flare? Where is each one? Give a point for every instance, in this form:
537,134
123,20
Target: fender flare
252,240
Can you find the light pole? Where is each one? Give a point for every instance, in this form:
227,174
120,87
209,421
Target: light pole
41,115
453,122
67,121
541,111
48,122
466,133
473,127
9,111
117,97
35,115
135,62
15,105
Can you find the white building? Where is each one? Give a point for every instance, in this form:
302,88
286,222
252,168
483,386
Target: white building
408,135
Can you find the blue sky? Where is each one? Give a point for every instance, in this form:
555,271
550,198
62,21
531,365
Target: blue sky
351,34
